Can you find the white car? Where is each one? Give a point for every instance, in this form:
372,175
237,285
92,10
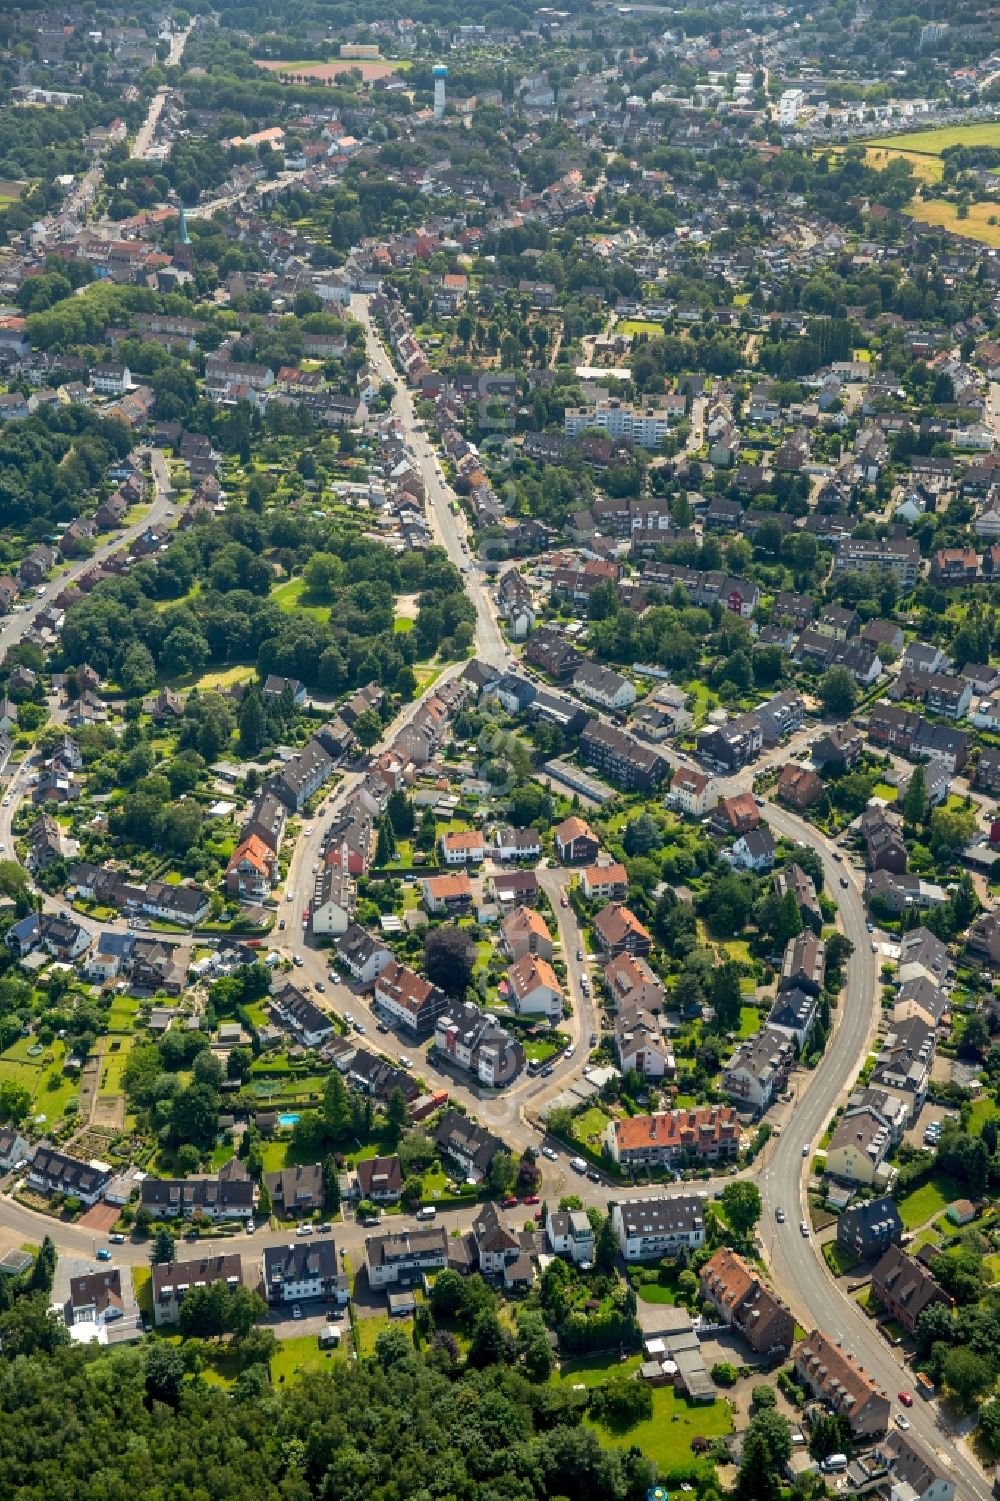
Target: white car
304,1230
901,1421
550,1153
296,1311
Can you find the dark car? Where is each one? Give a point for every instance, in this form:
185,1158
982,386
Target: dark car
546,1071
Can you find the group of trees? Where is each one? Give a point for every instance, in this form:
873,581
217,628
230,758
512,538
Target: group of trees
122,627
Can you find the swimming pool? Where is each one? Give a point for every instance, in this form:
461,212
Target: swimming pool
288,1120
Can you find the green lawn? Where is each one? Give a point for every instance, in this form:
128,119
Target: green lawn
750,1021
887,793
593,1370
933,142
652,1292
927,1200
983,1110
402,625
666,1437
142,1285
591,1123
368,1331
290,597
299,1354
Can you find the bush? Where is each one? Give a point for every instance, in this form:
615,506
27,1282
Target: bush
724,1374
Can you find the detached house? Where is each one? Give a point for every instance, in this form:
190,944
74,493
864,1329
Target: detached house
472,1147
575,842
534,989
619,931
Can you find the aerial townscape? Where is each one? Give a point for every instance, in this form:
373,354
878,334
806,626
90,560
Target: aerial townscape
499,751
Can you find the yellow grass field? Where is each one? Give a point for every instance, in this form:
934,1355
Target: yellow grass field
945,216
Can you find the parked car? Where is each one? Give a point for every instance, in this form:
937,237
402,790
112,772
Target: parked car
103,1254
510,1202
304,1230
530,1199
296,1311
117,1239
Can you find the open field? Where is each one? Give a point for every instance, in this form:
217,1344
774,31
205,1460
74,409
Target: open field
945,216
313,72
925,168
933,142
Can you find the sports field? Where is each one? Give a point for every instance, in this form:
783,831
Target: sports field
328,72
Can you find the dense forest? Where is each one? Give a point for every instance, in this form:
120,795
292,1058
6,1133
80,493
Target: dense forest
81,1426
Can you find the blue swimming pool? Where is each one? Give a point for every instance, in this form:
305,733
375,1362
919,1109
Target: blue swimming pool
288,1120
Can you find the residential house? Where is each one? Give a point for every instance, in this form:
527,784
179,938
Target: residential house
794,1014
649,1229
302,775
524,931
709,1134
804,963
379,1179
96,1297
570,1234
473,1042
296,1190
14,1148
226,1195
472,1147
904,1062
173,1280
451,894
640,1044
624,760
905,1287
901,893
798,786
692,792
604,882
839,748
516,844
780,715
759,1069
408,999
730,746
575,842
362,954
858,1148
834,1376
333,897
752,851
746,1304
738,813
533,989
403,1258
921,997
252,871
304,1270
619,931
631,982
867,1229
462,847
792,878
602,686
292,1010
51,1172
499,1251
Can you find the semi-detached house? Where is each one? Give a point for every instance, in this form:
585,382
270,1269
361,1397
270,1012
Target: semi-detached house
742,1301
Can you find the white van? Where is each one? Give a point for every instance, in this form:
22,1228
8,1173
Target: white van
578,1165
834,1462
428,1212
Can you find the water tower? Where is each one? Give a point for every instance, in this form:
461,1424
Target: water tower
440,76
